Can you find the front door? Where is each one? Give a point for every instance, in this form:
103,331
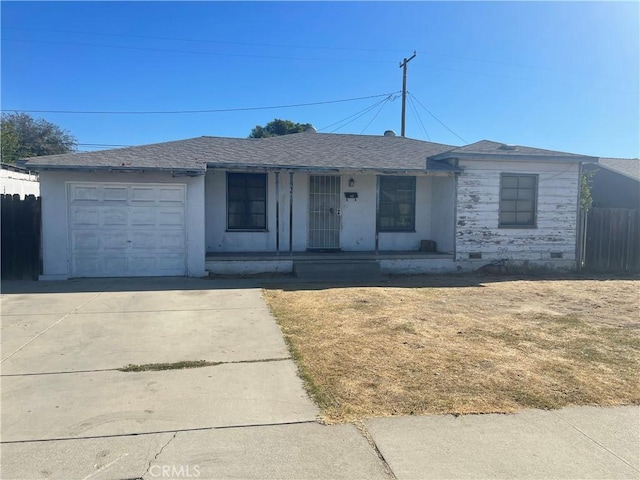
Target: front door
324,212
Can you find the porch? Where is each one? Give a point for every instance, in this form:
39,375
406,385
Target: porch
388,262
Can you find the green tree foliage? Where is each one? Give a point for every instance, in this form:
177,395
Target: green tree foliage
586,182
278,127
23,137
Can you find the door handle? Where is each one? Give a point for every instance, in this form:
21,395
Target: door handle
331,210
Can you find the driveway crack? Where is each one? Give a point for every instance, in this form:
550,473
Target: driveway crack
359,424
141,477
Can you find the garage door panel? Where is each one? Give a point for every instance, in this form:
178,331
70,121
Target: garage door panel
85,216
87,265
169,195
171,242
142,264
114,265
115,216
141,240
115,194
127,229
170,263
85,240
85,193
143,217
143,195
115,240
171,218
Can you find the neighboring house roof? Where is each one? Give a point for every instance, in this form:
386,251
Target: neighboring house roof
629,167
496,150
14,168
300,151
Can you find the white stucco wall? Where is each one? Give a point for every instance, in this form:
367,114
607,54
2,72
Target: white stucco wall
19,183
478,208
55,228
434,215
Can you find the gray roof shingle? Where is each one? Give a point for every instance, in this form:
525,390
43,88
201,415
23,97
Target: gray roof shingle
626,166
313,151
301,150
487,148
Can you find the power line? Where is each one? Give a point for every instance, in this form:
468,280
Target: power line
364,110
219,110
437,119
358,115
387,100
217,54
220,42
415,112
101,145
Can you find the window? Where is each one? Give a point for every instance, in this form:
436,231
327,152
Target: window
518,200
246,201
397,204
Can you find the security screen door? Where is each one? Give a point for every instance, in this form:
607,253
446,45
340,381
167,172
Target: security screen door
324,212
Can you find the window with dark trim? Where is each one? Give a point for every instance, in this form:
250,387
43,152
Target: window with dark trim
246,201
397,204
518,197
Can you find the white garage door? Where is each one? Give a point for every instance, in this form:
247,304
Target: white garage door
123,229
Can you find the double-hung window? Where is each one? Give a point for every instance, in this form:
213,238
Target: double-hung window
518,197
397,204
246,201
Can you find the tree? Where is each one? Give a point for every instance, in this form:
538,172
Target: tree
586,183
278,127
23,136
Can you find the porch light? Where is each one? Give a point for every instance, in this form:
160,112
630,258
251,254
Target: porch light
352,182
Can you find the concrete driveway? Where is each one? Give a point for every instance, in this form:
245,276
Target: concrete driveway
68,412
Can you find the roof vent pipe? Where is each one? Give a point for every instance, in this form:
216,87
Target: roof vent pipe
311,129
389,133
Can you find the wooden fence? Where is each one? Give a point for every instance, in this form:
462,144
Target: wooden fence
20,242
612,240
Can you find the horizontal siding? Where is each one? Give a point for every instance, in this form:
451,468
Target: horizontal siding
478,208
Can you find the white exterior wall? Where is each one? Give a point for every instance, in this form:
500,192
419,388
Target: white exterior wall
217,237
443,198
357,219
19,183
478,195
55,227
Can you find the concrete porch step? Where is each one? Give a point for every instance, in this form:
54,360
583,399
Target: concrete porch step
337,270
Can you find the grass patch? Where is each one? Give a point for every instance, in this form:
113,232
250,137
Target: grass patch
155,367
420,348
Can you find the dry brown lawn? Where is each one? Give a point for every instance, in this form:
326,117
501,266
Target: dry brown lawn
470,344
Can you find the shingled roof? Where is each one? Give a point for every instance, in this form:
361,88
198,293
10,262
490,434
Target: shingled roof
629,167
298,151
497,150
301,151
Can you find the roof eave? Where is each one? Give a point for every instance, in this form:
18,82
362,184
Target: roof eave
113,169
514,157
328,169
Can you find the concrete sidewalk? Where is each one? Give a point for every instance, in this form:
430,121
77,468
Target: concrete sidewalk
572,443
69,413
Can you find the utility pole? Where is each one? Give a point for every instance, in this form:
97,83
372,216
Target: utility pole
403,65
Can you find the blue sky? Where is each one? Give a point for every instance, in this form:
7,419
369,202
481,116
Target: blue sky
562,76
